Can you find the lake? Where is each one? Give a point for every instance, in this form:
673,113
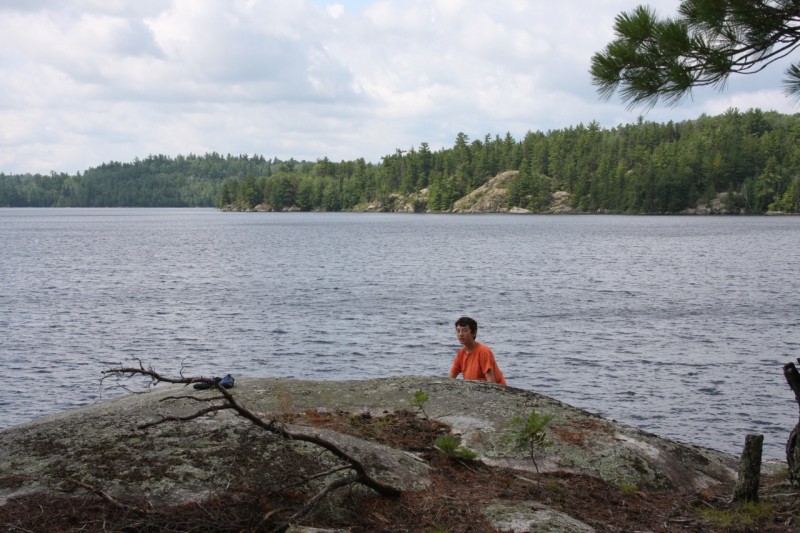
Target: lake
677,325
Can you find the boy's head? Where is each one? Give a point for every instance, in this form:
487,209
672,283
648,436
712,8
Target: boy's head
467,322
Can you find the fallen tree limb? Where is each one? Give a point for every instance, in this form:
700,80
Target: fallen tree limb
362,476
198,414
229,401
330,487
108,498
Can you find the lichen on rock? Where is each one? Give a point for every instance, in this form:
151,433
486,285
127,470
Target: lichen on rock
172,463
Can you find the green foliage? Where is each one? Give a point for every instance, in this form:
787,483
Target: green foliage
628,489
447,444
745,515
419,400
531,431
450,445
653,58
790,200
752,157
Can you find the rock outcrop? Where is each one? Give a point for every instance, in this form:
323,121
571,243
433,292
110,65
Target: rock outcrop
182,462
721,204
491,197
577,440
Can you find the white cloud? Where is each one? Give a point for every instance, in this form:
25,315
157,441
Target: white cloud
89,81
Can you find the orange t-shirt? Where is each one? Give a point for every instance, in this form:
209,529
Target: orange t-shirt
475,365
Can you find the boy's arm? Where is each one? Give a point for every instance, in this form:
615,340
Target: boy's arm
455,368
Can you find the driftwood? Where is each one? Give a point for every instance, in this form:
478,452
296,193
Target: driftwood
359,475
746,489
792,449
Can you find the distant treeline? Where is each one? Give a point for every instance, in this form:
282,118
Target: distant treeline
645,167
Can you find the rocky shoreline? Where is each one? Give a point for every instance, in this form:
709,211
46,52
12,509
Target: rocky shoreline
103,445
492,197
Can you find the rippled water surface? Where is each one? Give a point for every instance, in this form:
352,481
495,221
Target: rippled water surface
677,325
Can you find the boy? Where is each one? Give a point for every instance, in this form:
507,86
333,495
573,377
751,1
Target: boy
475,360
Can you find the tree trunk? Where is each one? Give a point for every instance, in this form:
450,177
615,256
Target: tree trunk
792,450
749,470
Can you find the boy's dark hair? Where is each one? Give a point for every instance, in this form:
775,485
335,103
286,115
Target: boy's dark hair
467,321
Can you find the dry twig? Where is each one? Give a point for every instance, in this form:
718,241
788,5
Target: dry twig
229,401
108,498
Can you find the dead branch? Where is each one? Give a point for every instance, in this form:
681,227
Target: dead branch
271,426
330,487
194,398
108,498
320,475
229,401
198,414
154,376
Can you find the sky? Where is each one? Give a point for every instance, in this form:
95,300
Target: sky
84,82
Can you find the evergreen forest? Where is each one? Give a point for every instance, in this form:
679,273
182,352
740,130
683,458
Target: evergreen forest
646,167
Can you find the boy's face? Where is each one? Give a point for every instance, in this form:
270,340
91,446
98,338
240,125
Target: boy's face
464,335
